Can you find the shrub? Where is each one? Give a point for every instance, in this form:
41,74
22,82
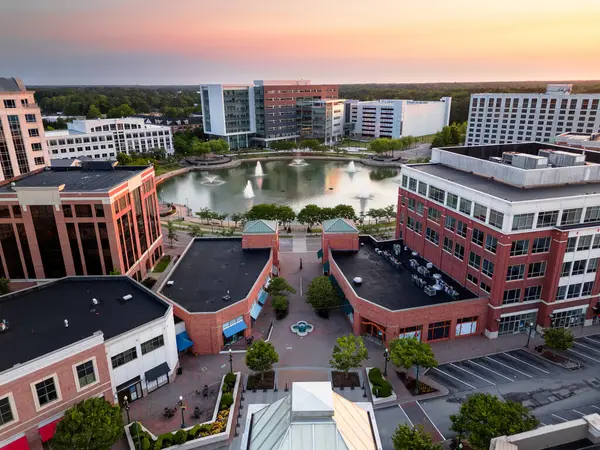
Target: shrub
225,388
230,379
158,444
375,376
135,429
180,437
205,428
193,432
166,439
226,401
145,444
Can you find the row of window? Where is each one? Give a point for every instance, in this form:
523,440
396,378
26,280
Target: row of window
441,330
575,243
574,290
131,354
96,210
530,293
579,267
545,219
528,102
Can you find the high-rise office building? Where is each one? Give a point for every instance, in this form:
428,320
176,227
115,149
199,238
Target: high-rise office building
322,120
22,143
508,118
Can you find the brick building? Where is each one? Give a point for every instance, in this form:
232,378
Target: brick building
517,224
77,338
219,298
389,291
87,219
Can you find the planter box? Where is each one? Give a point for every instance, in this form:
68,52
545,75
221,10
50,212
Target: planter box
379,400
195,443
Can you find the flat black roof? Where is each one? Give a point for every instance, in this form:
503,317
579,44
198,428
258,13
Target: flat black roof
505,191
209,268
36,316
388,286
78,179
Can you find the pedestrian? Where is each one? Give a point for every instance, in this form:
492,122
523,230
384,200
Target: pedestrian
300,263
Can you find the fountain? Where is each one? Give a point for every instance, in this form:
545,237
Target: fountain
298,163
212,180
302,328
364,194
248,191
258,171
351,167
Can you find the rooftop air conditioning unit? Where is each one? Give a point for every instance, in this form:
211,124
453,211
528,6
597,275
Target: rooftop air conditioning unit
526,161
170,283
560,158
429,290
4,325
496,159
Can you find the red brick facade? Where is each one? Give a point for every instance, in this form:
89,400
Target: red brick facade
338,241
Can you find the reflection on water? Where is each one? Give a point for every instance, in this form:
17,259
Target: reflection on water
325,183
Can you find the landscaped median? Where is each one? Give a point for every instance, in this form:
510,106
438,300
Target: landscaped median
380,388
217,430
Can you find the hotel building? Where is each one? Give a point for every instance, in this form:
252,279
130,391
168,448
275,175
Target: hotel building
77,338
396,118
88,219
22,144
105,138
509,118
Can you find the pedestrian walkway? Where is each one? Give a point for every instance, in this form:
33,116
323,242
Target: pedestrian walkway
299,244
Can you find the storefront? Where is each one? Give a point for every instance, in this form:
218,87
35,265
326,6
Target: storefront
568,317
132,389
16,442
157,377
233,330
513,323
374,330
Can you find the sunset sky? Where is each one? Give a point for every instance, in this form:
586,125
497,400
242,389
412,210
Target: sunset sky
350,41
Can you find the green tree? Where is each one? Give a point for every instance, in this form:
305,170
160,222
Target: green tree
345,212
413,438
558,338
279,286
390,212
218,146
322,295
123,110
483,417
171,233
264,211
327,213
311,144
285,214
380,145
283,145
195,230
377,214
260,357
205,213
124,159
236,217
309,215
4,286
93,112
348,353
410,352
93,424
115,271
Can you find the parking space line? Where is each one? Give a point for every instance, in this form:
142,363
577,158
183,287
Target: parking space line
542,424
471,373
490,370
511,368
592,336
526,363
591,340
578,412
558,417
457,379
594,406
585,356
588,347
434,425
406,415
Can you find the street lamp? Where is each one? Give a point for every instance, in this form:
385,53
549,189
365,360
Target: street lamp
230,360
386,355
529,328
182,408
126,405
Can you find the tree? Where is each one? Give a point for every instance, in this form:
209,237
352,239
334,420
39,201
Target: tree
410,352
348,353
260,357
558,338
195,230
93,112
236,217
220,217
413,438
218,146
264,211
389,212
311,144
345,212
93,424
115,271
205,213
279,286
171,233
377,214
380,145
283,145
123,110
484,416
124,158
285,214
309,215
321,294
4,286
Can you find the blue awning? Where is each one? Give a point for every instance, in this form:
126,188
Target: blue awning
255,311
234,329
326,267
320,253
262,296
183,341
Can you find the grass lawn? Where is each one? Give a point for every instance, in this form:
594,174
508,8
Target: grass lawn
427,138
162,264
161,169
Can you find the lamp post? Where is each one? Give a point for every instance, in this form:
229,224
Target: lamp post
126,405
182,408
529,328
386,355
230,360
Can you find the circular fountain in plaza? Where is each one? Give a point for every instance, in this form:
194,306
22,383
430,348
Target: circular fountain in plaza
212,180
302,328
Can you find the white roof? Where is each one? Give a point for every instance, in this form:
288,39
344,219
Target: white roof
312,399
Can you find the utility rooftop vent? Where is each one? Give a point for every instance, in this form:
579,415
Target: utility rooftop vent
4,325
358,280
127,297
559,158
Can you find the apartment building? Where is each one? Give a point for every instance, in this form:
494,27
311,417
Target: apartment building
88,219
516,224
22,144
396,118
105,138
321,119
509,118
77,338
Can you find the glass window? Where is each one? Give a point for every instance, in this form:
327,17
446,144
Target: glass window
412,184
566,269
85,373
571,242
496,219
448,245
434,214
474,260
592,214
592,265
438,330
486,287
420,207
516,323
6,414
573,290
472,279
578,267
532,293
480,212
411,204
596,241
46,391
451,200
450,223
466,325
46,232
465,206
511,296
515,272
541,245
536,269
152,344
519,248
83,210
477,237
124,358
491,243
89,245
584,243
587,288
523,222
423,188
432,236
459,251
488,268
461,229
571,216
404,181
436,194
99,209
